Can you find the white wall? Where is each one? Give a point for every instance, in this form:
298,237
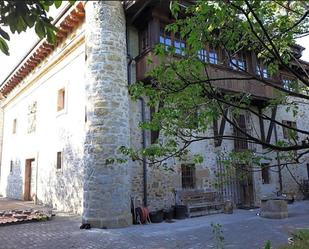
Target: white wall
55,131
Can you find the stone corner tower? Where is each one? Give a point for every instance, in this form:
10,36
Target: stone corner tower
107,188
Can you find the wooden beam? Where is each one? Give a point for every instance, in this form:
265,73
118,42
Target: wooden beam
262,128
271,125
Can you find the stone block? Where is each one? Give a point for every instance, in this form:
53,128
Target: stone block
274,209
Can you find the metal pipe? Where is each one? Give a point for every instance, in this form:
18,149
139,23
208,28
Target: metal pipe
144,159
278,161
130,60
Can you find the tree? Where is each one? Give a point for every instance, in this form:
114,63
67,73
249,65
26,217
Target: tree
19,16
187,98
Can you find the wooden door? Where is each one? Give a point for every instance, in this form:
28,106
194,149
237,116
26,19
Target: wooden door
28,174
245,178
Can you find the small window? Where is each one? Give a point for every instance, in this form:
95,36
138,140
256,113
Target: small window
11,166
240,142
59,160
61,99
179,45
169,39
144,40
14,125
202,55
262,71
265,173
216,132
288,133
188,176
239,62
165,38
210,56
213,56
289,83
154,134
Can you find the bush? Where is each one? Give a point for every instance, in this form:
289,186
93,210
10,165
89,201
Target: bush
300,240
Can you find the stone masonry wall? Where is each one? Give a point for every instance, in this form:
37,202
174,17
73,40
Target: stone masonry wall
107,188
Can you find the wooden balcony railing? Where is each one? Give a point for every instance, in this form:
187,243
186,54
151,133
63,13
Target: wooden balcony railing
256,88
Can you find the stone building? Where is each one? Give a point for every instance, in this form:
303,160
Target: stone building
65,109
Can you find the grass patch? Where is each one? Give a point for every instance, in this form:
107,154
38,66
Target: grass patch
300,240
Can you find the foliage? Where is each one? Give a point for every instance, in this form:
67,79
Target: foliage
186,98
300,240
267,245
19,16
218,235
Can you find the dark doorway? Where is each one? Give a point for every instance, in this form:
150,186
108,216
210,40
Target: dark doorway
29,183
245,178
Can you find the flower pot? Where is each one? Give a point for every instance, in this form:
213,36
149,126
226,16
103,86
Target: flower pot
180,211
169,214
156,216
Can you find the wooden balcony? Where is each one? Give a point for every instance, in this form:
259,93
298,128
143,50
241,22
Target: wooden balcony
257,89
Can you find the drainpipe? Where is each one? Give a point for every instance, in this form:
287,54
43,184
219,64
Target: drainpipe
142,101
144,159
278,161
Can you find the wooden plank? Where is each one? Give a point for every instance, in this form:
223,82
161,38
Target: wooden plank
271,125
262,129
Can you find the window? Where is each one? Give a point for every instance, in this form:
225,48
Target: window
14,125
165,38
216,132
11,166
61,99
188,175
308,170
239,62
210,55
261,71
172,40
154,134
144,40
213,56
286,84
32,109
59,160
179,45
288,133
265,173
241,143
289,83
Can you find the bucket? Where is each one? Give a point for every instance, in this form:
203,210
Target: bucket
156,216
180,212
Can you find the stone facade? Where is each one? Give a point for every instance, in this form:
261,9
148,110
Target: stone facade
98,117
106,187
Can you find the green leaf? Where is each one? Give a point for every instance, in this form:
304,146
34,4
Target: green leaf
4,46
58,4
40,29
4,34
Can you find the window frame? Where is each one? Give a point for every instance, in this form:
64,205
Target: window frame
11,166
188,176
14,126
61,100
266,179
285,131
240,144
173,38
262,71
237,59
59,161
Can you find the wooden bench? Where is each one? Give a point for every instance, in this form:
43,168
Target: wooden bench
201,203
